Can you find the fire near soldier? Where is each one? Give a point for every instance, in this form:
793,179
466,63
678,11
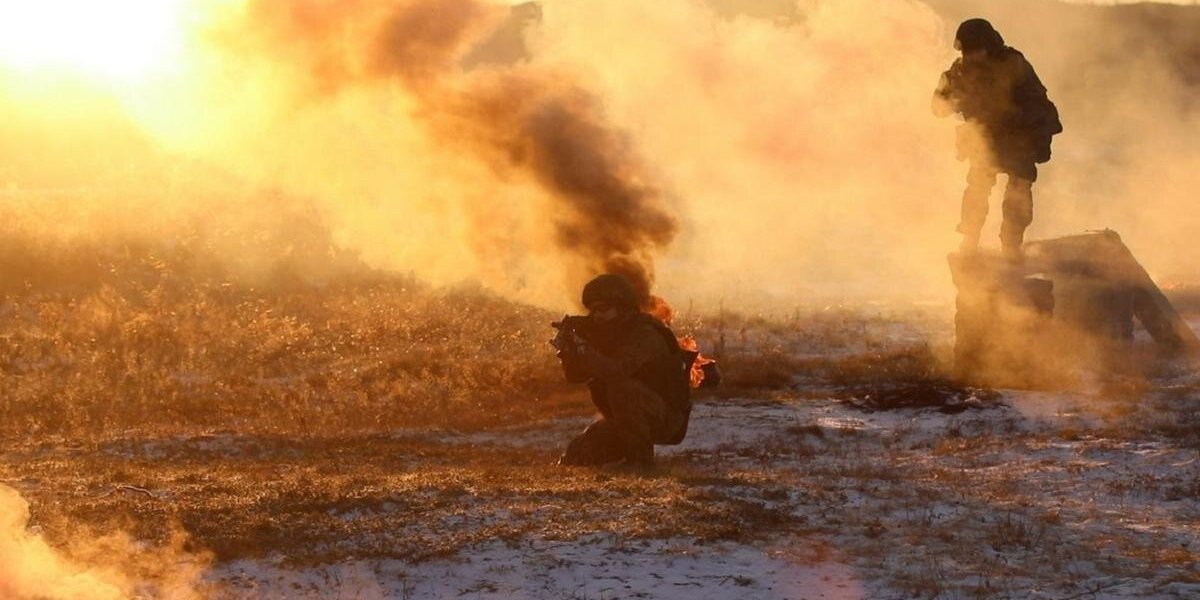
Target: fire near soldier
1009,121
635,371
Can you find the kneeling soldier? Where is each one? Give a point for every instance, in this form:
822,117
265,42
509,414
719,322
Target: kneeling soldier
635,370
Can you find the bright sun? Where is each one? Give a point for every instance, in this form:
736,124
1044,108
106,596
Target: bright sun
125,40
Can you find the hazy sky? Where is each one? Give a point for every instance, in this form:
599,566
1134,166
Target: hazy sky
793,162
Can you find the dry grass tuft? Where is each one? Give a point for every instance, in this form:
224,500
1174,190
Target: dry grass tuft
410,498
165,342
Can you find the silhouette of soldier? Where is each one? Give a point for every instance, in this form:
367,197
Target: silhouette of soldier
1008,123
635,370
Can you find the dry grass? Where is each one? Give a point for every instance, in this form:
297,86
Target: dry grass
323,421
820,350
104,335
320,500
160,344
156,390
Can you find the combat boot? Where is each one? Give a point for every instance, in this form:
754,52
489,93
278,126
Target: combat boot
638,457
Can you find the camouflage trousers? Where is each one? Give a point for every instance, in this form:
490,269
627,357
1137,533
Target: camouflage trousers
635,417
1017,208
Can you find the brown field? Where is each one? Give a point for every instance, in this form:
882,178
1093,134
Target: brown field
374,418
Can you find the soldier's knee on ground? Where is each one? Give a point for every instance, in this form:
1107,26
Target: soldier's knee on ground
639,415
599,444
634,404
636,417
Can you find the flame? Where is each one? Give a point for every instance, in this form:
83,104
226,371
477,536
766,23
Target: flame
660,309
689,344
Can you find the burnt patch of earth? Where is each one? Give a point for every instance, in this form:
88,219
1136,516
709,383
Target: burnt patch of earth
942,395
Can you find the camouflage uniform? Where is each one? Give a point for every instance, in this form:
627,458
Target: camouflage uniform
632,369
1009,124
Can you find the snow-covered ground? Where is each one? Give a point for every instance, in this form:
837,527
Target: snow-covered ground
592,567
805,491
1032,498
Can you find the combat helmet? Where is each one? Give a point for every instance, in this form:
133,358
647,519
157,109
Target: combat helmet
977,34
610,288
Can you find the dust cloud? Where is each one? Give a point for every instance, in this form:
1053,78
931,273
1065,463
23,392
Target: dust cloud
1125,80
101,568
535,188
750,153
773,152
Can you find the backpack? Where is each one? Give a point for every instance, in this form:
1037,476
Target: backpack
1048,126
680,385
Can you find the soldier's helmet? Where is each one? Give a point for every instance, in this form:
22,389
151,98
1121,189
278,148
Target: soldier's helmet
977,34
611,289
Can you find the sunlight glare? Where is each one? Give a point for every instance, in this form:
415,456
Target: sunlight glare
116,39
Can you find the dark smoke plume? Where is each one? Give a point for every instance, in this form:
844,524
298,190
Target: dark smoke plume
605,212
523,121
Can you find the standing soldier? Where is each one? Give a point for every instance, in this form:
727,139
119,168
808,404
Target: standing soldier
635,370
1008,125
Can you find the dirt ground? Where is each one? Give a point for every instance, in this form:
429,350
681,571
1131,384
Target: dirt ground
794,482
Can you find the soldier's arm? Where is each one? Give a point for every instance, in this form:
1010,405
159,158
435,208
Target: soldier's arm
570,344
945,96
575,369
641,347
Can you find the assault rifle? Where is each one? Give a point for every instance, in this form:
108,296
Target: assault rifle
573,334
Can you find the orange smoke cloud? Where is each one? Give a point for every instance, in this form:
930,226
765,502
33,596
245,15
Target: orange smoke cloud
525,122
118,569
